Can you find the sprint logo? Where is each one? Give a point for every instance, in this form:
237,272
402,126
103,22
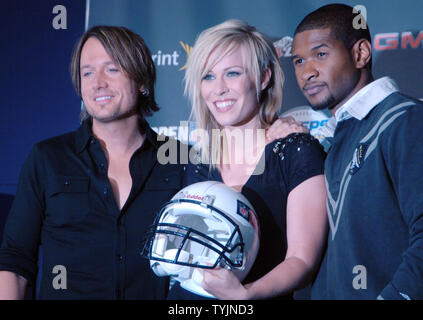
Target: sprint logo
172,59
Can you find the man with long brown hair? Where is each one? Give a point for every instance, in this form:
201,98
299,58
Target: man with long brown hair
86,198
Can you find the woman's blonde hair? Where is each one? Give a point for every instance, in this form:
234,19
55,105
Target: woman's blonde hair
259,55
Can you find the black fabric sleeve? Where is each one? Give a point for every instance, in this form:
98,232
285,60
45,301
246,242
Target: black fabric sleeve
21,238
402,147
300,157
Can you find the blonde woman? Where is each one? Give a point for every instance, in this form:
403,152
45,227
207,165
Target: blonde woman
234,82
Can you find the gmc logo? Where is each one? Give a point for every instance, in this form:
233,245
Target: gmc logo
391,41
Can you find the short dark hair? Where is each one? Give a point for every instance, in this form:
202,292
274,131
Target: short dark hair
339,18
131,53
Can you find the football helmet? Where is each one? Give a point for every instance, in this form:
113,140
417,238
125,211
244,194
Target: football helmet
204,225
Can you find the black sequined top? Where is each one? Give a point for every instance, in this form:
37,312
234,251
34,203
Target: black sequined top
287,163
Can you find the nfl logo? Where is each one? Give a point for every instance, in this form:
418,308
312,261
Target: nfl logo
243,210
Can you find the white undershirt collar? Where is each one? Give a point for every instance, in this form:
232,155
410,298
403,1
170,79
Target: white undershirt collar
360,104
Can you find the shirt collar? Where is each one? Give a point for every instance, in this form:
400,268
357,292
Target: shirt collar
85,135
360,104
151,136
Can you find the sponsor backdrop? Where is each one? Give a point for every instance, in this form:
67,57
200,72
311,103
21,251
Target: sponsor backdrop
40,102
171,27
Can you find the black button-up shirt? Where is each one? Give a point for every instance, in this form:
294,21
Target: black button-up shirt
65,213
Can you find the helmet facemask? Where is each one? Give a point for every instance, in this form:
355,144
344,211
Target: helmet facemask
190,235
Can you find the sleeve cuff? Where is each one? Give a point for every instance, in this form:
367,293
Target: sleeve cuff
390,293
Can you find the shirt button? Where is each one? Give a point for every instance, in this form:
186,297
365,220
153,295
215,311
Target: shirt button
119,257
105,190
67,182
166,180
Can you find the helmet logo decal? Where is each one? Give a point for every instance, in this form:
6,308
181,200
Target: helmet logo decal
194,196
207,199
243,210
